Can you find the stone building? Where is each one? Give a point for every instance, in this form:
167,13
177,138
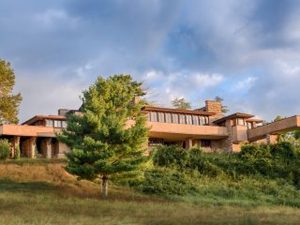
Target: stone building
207,128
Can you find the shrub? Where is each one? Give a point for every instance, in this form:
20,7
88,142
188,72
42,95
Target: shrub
198,162
254,151
17,153
170,156
166,181
4,149
284,150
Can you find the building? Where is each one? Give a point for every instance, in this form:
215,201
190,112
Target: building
207,128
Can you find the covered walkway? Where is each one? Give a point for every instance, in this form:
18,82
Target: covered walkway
277,127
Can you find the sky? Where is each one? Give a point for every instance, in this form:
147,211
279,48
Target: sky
246,51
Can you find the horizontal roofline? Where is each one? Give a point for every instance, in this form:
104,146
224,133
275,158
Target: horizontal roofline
181,111
232,116
41,117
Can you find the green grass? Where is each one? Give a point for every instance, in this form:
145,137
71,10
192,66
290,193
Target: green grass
42,193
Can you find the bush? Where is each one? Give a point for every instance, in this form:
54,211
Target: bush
284,150
170,156
4,149
198,162
17,153
254,151
167,182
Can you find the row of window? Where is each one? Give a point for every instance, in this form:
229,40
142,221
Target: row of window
177,118
56,123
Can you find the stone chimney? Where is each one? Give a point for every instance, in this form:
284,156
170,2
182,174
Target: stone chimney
213,106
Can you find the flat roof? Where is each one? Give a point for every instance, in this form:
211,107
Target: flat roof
181,111
42,117
232,116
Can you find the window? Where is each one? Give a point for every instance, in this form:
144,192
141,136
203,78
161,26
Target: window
206,143
189,119
181,119
196,120
161,117
175,118
168,118
153,116
57,123
64,124
202,120
240,122
49,123
206,119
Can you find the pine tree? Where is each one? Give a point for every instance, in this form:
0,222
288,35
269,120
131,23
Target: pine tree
101,140
224,107
9,103
181,103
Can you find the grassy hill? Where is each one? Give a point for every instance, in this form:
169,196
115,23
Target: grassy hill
41,192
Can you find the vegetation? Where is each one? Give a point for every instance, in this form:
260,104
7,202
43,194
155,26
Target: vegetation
40,192
224,107
17,153
4,149
258,175
100,139
9,103
181,103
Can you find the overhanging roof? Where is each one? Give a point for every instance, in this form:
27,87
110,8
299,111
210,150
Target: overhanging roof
232,116
181,111
42,117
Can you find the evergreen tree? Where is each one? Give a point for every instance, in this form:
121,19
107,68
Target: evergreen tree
101,139
9,103
224,107
181,103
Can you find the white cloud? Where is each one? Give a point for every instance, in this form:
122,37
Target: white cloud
54,17
246,84
205,80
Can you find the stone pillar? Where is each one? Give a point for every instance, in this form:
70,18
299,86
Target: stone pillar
15,145
272,139
47,148
189,143
32,147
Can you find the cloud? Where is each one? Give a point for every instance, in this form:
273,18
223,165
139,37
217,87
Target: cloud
247,52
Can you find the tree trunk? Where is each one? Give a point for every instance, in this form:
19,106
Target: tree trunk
104,186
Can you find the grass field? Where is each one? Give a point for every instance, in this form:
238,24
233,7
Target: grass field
43,193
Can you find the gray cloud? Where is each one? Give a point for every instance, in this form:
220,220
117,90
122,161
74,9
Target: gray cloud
247,51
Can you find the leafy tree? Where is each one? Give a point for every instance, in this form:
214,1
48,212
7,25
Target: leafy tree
224,107
9,103
181,103
101,140
4,149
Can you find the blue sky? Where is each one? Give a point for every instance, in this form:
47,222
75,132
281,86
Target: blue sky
246,51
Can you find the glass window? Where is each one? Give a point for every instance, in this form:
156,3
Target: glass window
64,124
57,123
195,120
240,122
175,118
149,116
189,119
168,117
206,120
153,116
161,117
49,123
202,120
182,119
206,143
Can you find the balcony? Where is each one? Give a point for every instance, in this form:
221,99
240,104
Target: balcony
174,131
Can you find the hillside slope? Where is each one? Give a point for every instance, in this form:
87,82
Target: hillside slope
43,193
